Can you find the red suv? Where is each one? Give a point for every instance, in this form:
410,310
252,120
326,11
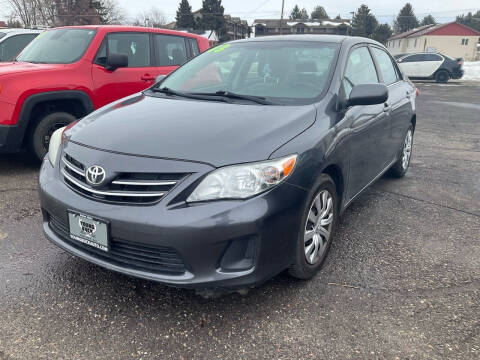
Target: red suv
68,72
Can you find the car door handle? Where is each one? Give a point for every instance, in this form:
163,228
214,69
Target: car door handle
148,77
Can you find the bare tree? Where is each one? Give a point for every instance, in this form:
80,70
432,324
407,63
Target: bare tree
154,18
65,12
111,13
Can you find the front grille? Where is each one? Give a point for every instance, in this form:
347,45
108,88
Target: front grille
148,258
136,188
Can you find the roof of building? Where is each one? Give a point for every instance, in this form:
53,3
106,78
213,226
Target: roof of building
447,29
308,23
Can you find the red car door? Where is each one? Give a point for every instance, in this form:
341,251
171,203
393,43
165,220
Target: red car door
139,75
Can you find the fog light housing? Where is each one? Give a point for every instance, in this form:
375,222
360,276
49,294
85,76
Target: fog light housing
239,255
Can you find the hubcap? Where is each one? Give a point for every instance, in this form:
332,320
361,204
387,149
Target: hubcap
318,227
407,150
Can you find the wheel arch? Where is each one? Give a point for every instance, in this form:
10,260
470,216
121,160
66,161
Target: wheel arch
336,173
75,102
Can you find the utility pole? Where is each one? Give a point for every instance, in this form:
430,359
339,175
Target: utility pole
281,18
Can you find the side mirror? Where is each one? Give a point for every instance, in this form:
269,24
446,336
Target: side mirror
160,78
115,61
368,94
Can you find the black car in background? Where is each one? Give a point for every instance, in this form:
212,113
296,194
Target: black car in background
430,66
233,168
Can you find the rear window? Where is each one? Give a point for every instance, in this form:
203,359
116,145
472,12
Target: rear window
11,47
170,50
2,35
60,46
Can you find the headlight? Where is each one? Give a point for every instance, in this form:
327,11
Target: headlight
54,146
243,181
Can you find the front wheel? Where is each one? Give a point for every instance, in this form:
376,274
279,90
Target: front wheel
317,228
40,136
400,168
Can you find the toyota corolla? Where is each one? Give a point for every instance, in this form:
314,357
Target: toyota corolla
233,168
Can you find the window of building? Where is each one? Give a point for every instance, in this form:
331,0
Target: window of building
415,44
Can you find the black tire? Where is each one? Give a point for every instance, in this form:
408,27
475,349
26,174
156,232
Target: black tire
399,169
442,76
40,134
301,268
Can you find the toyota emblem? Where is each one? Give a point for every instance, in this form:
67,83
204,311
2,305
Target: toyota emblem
95,175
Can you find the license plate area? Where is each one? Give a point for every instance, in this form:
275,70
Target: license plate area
88,230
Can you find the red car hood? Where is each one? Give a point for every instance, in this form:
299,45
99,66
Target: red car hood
9,68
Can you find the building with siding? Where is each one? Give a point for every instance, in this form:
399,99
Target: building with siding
452,39
265,27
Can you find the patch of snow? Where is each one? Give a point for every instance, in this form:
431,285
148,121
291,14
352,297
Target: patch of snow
472,70
335,23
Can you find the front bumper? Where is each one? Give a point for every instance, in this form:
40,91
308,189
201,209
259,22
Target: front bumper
11,136
222,244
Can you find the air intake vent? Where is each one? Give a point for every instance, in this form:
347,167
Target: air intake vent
142,257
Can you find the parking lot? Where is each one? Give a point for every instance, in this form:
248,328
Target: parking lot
402,279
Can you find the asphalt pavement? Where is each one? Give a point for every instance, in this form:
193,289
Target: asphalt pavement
402,280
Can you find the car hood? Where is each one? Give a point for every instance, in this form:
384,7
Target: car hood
204,131
9,68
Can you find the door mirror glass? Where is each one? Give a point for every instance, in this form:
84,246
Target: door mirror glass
368,94
115,61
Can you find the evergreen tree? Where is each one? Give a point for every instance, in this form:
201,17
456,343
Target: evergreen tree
295,13
364,22
338,17
319,13
470,20
212,18
184,18
303,14
406,20
382,33
428,20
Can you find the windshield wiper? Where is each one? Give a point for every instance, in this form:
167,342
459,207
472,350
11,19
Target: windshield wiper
232,95
197,96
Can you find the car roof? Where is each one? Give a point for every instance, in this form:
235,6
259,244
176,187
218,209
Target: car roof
307,37
20,31
126,28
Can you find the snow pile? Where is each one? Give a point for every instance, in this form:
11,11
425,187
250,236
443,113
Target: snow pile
472,70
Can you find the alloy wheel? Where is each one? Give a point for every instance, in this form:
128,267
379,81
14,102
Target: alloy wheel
318,227
407,150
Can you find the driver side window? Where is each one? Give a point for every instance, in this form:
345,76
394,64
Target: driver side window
360,70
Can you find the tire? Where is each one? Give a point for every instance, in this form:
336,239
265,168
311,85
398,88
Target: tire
442,76
40,135
400,168
305,265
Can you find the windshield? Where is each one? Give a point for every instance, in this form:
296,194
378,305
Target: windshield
61,46
280,71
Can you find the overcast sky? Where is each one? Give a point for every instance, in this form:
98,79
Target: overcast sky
385,10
